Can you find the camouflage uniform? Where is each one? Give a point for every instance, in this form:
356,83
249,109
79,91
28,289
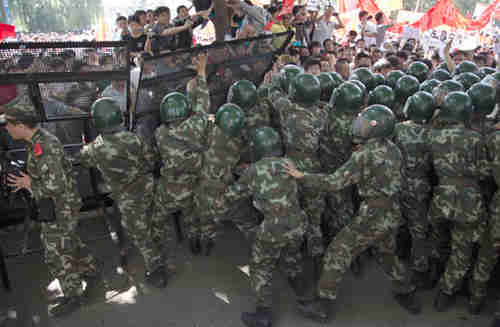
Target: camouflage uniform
126,163
219,160
416,192
52,177
375,167
181,145
458,156
280,235
301,129
336,149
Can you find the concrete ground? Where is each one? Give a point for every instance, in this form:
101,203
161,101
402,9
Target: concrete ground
207,292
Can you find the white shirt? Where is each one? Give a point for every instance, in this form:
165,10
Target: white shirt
370,28
324,30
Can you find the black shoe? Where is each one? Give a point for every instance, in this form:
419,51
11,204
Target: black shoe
422,280
409,302
436,270
207,247
66,306
356,267
443,301
195,246
475,305
157,278
317,267
298,284
317,310
262,317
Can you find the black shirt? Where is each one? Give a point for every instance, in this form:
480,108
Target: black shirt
135,44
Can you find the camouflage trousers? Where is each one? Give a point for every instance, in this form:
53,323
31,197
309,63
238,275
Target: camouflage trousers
265,260
338,213
373,227
488,252
462,236
415,202
313,203
169,198
67,257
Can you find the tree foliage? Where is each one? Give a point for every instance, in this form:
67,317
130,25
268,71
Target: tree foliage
55,15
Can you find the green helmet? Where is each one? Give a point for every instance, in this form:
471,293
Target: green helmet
230,119
106,115
364,75
406,87
174,106
243,93
467,80
379,79
327,86
287,74
337,79
444,66
429,85
444,88
492,79
265,142
348,97
419,70
483,98
487,70
393,77
263,91
383,95
361,86
441,75
376,121
420,106
457,107
305,89
466,67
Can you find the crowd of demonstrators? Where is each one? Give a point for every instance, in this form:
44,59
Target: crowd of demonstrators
348,145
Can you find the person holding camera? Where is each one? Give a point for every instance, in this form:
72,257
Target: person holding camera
325,27
50,180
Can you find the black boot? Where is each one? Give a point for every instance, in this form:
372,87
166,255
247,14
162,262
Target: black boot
475,305
443,301
262,317
195,246
422,280
436,270
410,302
298,284
207,247
317,267
66,306
157,278
317,310
356,267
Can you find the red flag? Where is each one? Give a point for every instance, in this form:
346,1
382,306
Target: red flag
368,5
286,9
6,31
484,19
444,12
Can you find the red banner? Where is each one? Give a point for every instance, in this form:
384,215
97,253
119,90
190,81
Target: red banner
286,9
484,19
6,31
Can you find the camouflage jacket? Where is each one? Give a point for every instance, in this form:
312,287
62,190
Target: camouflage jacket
411,139
51,173
301,129
375,167
275,195
336,146
182,144
123,158
493,144
460,160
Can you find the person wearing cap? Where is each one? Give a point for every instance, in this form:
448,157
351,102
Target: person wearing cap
50,180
